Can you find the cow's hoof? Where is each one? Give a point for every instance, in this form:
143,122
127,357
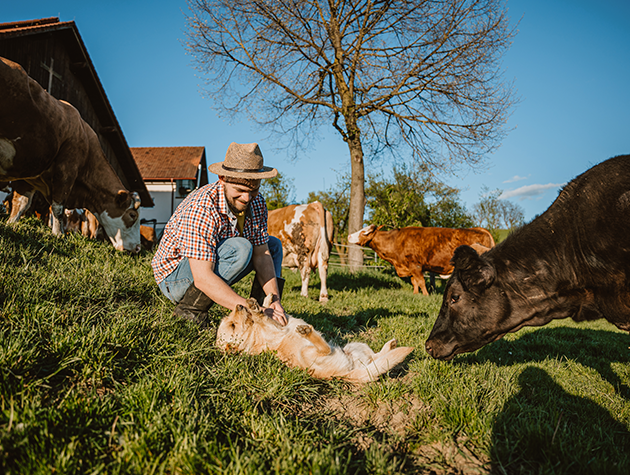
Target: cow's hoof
323,298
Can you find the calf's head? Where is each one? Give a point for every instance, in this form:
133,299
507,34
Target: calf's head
235,328
121,221
475,311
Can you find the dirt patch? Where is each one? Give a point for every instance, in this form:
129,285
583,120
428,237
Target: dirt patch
450,458
398,418
394,417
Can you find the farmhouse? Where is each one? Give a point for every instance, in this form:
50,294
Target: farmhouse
170,174
53,53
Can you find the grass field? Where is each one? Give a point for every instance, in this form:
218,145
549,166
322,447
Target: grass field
98,376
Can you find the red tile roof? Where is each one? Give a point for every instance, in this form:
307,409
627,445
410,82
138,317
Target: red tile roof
166,163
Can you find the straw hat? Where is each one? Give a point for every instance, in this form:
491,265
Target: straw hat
243,161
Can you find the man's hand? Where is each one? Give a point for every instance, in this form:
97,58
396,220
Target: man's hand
276,312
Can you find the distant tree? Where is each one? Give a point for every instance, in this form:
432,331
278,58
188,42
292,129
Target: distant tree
512,215
278,191
487,212
414,198
395,203
494,214
449,212
336,200
419,77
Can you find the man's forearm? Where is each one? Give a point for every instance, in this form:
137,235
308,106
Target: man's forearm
213,286
265,271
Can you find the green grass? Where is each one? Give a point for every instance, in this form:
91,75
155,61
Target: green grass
98,376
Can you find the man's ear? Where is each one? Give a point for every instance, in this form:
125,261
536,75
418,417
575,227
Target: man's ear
473,271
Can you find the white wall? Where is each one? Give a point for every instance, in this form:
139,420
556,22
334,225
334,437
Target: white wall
162,194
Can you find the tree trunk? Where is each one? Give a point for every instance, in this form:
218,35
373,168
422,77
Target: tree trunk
357,198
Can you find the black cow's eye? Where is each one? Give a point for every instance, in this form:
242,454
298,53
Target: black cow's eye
454,299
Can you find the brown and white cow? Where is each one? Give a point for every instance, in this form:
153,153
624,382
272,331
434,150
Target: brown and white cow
414,250
81,221
45,143
306,234
23,200
148,237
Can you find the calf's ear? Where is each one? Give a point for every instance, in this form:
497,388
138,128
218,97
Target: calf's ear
475,273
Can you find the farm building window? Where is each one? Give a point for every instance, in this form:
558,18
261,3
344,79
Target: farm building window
184,187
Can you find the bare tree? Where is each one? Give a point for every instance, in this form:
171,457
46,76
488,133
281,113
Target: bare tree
494,213
415,76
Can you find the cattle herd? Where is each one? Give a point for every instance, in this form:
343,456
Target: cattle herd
46,146
572,261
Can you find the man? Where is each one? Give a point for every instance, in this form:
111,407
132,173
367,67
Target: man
217,236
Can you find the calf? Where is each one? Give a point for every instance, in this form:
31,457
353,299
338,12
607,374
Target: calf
298,344
572,261
413,251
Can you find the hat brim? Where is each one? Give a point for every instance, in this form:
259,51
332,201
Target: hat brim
264,172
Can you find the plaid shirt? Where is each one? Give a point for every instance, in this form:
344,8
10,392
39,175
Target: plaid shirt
199,223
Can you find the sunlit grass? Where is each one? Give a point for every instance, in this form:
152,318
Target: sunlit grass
98,376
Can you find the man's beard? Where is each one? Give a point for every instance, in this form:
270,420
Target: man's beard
232,205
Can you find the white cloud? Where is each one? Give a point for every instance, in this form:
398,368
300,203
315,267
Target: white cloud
516,178
529,192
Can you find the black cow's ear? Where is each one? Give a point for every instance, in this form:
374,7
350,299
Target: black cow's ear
475,273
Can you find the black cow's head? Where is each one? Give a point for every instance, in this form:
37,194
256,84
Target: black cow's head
474,311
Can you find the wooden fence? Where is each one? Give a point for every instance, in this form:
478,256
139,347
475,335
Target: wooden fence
339,257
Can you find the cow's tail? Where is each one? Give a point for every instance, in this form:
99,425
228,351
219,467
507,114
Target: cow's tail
322,248
388,358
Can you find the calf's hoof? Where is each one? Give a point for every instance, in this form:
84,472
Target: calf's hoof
304,330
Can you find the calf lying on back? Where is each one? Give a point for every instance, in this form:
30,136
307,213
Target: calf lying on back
572,261
298,344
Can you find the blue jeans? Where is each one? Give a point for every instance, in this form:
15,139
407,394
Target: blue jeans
234,262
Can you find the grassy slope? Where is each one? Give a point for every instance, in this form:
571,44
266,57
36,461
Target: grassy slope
97,376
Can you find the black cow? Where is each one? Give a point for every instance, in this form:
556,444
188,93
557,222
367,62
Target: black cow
572,261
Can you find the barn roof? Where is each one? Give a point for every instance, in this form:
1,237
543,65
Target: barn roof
85,72
166,163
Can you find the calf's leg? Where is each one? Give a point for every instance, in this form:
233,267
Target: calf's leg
315,338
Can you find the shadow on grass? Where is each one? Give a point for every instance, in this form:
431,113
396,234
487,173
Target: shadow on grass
596,349
543,429
342,325
347,281
29,245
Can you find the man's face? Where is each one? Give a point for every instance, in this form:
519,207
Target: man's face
238,197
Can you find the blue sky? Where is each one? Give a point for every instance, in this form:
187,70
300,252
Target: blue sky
570,63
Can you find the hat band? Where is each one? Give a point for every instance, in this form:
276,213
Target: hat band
243,170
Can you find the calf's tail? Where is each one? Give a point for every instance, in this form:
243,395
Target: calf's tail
322,248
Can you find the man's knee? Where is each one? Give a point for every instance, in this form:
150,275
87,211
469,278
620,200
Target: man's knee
238,249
